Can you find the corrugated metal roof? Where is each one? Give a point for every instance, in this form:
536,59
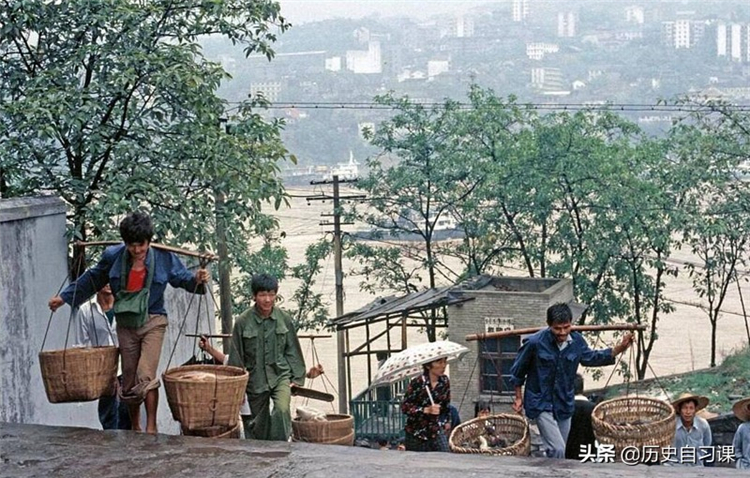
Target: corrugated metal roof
392,306
396,306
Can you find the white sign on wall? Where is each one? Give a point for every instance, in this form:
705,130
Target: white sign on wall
498,324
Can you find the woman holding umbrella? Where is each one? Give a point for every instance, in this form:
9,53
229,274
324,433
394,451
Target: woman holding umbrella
427,398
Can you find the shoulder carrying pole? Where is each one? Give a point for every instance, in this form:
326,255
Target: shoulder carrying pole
203,256
532,330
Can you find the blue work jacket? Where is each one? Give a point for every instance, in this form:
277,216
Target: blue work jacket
549,373
168,269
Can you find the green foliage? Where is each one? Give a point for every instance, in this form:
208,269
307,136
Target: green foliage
112,105
585,195
311,310
414,195
723,385
713,145
384,269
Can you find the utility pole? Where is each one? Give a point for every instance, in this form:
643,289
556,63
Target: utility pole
339,279
225,293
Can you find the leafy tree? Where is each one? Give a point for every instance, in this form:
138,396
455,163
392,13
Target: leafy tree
409,198
566,196
717,218
311,310
384,268
111,105
644,221
492,134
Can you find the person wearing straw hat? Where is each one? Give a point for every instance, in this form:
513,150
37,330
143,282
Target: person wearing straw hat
546,364
741,442
265,343
692,433
427,398
138,275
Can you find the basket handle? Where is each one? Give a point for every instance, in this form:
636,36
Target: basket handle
49,321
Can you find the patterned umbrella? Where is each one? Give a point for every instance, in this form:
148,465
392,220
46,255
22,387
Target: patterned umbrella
408,363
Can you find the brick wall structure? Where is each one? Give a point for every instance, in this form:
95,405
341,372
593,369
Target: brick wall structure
505,303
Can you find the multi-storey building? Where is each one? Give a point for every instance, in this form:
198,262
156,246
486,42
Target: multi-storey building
365,61
464,27
537,50
733,41
682,33
520,10
270,90
634,14
566,24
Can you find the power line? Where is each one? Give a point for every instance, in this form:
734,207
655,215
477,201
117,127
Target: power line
613,107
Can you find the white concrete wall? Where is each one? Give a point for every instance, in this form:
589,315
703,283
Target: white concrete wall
33,265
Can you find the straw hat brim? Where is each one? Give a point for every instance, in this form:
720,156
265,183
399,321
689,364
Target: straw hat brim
741,409
705,414
701,400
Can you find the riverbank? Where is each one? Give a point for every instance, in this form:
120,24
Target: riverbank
684,335
723,384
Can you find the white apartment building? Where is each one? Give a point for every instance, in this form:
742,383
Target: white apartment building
365,61
269,89
537,50
634,14
549,81
333,63
464,27
566,24
682,33
733,41
436,67
520,10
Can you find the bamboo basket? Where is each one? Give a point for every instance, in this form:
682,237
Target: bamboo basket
79,374
334,430
215,432
514,428
634,422
202,404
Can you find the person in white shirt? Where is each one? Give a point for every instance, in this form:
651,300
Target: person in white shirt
95,327
741,442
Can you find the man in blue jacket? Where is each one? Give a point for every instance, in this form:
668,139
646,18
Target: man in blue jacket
138,275
547,363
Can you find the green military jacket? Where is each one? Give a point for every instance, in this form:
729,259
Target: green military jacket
268,348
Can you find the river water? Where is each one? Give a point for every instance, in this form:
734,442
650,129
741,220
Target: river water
684,335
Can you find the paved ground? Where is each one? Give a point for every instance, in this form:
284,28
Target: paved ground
63,452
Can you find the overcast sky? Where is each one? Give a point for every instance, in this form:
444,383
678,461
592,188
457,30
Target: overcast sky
300,11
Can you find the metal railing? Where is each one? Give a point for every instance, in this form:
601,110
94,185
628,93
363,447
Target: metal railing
377,413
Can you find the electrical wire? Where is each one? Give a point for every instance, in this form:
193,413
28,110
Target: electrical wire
615,107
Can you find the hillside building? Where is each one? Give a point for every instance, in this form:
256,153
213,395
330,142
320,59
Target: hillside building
733,41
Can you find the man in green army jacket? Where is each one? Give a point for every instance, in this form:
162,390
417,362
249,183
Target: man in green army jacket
264,341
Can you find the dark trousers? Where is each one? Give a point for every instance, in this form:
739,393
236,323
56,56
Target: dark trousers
247,425
113,413
276,425
439,443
